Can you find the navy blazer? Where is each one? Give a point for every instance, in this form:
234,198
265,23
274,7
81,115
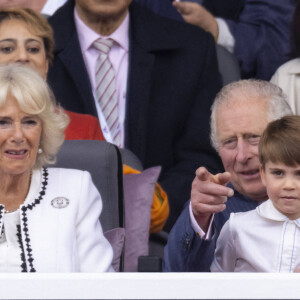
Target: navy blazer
229,9
262,36
186,251
261,29
172,81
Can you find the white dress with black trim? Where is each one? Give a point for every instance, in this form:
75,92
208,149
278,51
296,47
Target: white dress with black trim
11,248
10,251
57,229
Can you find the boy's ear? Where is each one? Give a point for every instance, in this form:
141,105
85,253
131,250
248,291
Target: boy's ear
262,174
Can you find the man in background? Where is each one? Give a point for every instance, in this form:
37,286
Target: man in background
256,32
165,77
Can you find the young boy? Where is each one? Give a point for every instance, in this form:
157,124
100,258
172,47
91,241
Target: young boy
267,239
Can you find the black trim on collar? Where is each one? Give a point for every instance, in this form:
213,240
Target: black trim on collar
1,215
23,264
24,218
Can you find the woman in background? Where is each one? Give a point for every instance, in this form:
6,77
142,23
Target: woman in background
27,38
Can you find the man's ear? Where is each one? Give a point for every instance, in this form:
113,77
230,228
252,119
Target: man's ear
262,174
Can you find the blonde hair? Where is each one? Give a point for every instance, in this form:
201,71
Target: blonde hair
36,23
280,142
35,98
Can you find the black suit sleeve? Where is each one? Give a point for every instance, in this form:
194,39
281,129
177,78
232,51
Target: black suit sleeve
193,148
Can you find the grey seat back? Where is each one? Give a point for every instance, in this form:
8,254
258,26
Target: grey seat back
130,159
228,65
103,161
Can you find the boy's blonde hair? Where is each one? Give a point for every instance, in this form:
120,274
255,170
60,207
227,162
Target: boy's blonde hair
280,142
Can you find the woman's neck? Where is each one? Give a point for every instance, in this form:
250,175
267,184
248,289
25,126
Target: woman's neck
14,190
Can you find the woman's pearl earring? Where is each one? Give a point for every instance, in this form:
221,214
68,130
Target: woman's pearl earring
40,151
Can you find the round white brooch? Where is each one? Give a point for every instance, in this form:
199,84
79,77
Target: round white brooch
60,202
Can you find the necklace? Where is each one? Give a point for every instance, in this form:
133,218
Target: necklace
7,211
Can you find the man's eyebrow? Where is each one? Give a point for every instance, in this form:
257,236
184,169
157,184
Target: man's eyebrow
228,138
251,133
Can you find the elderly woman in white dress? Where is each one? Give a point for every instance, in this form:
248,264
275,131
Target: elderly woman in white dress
49,217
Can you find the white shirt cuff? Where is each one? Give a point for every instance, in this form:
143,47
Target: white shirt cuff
225,38
204,235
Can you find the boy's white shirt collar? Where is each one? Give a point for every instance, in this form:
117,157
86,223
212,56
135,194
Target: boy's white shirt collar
268,211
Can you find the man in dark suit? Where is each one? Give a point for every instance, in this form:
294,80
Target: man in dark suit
171,82
256,32
240,113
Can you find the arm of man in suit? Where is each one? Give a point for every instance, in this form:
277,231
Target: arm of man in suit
185,250
253,32
196,14
162,7
261,36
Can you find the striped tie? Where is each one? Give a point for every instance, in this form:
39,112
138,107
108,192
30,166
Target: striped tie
106,92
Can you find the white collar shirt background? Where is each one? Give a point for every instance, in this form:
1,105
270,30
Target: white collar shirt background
118,57
51,6
287,76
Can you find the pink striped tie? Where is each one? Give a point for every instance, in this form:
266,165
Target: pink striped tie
106,92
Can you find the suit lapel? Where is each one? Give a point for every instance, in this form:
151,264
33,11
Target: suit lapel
72,59
146,40
138,98
67,48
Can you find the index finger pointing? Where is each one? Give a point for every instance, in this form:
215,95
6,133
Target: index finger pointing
203,174
222,178
215,189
